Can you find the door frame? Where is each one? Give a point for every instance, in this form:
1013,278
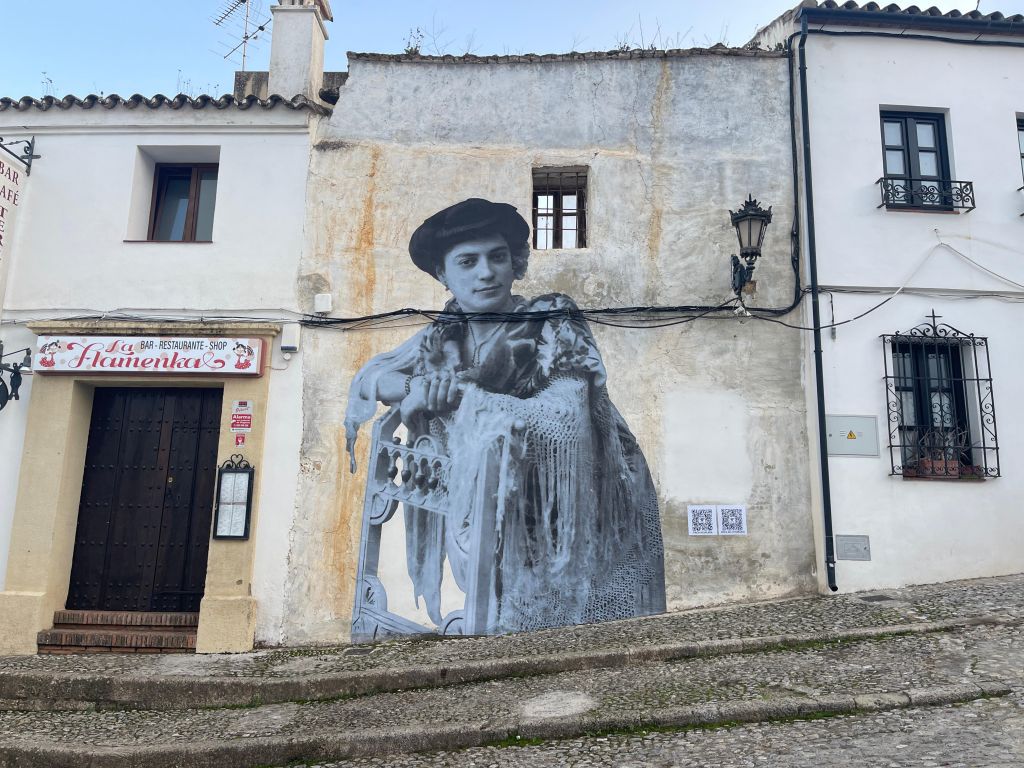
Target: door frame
50,484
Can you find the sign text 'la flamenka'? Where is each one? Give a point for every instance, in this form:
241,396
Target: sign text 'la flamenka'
145,354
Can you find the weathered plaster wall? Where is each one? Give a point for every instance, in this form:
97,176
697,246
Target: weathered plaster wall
672,143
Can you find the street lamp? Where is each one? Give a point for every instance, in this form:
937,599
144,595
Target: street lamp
14,369
751,221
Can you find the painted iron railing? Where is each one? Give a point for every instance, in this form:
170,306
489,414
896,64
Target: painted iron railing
926,194
941,408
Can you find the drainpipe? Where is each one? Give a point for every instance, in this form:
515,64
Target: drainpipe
812,269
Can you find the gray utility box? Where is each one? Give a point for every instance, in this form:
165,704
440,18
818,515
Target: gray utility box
851,435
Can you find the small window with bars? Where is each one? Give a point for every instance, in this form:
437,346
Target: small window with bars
942,418
559,208
1020,144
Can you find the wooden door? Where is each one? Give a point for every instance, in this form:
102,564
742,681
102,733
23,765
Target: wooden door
147,499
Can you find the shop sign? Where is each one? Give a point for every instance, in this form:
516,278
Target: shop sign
149,354
12,190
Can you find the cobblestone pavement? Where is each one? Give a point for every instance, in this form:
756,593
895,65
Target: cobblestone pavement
1002,596
832,669
987,733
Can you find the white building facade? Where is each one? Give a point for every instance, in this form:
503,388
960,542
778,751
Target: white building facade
911,172
153,276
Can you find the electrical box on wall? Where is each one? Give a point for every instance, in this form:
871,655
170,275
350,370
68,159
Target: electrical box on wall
853,547
290,334
851,435
322,303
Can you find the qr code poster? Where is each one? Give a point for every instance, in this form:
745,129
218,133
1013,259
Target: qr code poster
732,520
702,520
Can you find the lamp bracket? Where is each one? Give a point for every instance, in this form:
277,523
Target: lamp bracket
26,154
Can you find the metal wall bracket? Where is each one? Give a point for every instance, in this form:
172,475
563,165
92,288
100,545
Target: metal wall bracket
26,154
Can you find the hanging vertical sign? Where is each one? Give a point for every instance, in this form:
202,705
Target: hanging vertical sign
12,192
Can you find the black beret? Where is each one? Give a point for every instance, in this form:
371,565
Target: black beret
464,221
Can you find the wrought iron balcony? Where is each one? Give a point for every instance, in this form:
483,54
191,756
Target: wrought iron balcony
926,194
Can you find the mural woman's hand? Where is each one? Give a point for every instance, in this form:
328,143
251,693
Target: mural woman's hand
443,389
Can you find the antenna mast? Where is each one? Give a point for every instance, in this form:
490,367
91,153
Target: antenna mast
228,12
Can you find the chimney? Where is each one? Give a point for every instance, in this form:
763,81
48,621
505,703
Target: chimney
297,47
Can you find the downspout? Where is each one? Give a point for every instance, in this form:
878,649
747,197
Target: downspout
812,269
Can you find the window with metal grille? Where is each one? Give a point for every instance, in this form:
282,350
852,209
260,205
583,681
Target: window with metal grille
942,417
916,164
183,202
1020,143
559,208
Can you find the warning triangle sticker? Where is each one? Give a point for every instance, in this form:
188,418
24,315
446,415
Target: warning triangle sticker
850,435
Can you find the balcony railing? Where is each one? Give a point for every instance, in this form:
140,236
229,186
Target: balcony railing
927,194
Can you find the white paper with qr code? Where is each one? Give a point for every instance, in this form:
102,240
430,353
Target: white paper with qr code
702,519
732,520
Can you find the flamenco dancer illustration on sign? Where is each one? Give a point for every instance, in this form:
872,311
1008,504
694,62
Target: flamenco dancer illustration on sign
504,452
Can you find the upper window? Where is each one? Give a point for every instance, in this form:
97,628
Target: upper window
559,208
915,161
1020,143
183,201
940,402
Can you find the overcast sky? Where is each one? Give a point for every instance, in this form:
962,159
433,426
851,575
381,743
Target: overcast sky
170,46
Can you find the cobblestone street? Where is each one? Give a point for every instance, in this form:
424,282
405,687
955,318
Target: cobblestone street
982,734
987,733
925,676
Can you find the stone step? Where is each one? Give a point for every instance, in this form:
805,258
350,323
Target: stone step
93,640
830,678
143,619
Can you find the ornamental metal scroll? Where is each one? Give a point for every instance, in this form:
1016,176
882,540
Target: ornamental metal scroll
26,154
926,194
940,403
416,476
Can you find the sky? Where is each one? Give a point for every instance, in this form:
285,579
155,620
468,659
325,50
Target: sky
59,47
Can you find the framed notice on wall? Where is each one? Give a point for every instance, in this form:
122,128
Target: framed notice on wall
234,499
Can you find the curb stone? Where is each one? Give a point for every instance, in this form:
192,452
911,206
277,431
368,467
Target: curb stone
31,690
262,751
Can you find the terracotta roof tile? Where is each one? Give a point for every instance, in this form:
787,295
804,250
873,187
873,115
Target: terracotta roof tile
995,19
181,101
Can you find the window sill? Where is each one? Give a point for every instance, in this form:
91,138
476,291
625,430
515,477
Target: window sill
175,242
924,209
946,478
962,475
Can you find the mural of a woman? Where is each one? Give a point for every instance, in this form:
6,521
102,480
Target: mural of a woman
578,536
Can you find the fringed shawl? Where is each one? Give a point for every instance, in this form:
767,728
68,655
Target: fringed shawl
578,532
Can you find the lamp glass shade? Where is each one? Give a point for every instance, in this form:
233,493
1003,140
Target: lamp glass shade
751,221
750,230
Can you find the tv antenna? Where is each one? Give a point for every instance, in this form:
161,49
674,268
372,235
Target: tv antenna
240,15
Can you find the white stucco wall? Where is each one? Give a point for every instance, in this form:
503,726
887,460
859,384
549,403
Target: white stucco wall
921,530
90,192
13,419
71,249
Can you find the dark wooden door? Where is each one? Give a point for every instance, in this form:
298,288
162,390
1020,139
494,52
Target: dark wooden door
147,500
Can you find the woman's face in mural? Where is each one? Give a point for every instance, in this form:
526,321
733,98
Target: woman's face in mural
479,273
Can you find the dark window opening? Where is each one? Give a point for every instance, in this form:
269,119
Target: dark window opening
183,202
940,403
559,208
915,160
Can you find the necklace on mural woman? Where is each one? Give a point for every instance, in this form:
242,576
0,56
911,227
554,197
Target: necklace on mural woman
479,345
